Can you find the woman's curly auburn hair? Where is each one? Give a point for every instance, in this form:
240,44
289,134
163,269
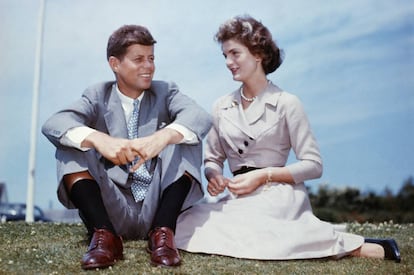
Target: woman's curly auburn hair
255,36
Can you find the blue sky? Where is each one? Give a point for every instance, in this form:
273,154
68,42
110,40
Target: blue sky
350,62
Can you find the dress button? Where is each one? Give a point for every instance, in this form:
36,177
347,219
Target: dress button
246,143
240,151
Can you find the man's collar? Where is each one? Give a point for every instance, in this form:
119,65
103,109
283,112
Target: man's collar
127,99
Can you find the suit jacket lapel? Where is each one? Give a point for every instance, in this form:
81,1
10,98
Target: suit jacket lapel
257,109
233,113
147,120
243,119
115,123
114,116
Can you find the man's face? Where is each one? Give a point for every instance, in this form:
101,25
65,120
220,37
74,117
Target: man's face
135,71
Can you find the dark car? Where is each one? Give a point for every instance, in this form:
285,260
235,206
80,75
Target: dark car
17,212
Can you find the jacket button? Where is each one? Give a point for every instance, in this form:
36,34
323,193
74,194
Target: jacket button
240,151
246,143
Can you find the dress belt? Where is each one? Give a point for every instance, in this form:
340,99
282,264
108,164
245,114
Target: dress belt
244,169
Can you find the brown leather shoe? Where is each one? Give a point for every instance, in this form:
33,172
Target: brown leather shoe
162,247
103,251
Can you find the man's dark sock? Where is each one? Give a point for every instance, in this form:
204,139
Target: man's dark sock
171,202
86,196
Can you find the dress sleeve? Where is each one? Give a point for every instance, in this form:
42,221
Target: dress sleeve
309,164
214,155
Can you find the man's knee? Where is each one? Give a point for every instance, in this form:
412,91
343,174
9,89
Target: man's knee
70,179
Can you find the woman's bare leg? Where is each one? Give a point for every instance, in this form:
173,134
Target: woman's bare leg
369,250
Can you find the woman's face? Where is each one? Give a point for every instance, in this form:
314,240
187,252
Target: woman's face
242,64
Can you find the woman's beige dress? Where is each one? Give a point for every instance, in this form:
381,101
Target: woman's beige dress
276,221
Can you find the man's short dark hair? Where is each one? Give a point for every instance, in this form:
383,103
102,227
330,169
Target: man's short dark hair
126,36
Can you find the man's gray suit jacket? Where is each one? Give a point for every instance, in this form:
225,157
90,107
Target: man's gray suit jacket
100,108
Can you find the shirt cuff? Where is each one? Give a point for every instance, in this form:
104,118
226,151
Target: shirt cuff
75,136
189,137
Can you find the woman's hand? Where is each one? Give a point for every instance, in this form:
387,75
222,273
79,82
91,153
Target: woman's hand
246,183
217,184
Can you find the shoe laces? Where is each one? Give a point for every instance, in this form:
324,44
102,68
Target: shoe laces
98,239
163,238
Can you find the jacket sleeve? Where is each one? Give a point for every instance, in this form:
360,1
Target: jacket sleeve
185,111
80,113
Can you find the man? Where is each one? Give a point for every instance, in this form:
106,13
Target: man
129,154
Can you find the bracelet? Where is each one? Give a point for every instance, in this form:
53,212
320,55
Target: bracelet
269,176
268,180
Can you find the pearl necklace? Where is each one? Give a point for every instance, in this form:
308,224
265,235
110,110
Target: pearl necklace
246,98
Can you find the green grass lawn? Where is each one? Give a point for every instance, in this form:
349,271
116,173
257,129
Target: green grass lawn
52,248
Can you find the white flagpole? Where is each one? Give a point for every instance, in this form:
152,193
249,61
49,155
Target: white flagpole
35,102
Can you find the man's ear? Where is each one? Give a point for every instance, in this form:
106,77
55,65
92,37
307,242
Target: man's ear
113,63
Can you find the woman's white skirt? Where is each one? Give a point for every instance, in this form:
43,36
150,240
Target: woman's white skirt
273,223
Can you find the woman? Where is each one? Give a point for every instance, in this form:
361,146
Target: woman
267,214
